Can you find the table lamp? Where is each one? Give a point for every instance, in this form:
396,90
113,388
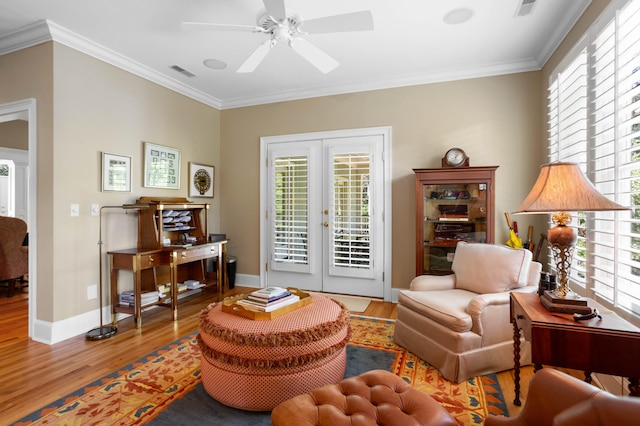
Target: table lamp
562,188
106,331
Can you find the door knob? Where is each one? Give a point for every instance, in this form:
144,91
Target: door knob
326,224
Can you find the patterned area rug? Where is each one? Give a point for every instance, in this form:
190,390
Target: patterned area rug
140,391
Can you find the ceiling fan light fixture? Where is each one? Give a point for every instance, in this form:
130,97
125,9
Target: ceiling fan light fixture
458,16
215,64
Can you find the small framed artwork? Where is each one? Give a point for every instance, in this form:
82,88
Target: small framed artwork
201,180
161,166
116,172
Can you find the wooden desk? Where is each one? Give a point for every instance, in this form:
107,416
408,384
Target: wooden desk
182,263
138,261
610,345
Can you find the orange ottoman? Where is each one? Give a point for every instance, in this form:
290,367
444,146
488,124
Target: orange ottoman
376,397
256,365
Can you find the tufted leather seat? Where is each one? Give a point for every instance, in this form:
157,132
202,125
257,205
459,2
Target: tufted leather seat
376,397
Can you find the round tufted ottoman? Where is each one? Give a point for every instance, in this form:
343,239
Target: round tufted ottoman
255,365
376,397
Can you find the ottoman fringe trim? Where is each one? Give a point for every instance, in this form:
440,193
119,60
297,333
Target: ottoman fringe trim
289,362
291,338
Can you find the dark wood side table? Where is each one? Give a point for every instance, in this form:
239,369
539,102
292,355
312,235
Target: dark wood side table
609,345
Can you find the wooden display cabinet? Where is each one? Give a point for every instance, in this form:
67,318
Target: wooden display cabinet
452,205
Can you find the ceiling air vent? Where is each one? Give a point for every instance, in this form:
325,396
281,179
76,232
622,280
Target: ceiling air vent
525,7
182,71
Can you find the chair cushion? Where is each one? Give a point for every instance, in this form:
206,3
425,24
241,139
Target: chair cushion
447,307
490,268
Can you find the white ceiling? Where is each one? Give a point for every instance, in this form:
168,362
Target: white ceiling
411,44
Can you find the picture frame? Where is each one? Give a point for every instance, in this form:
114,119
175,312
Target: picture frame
161,166
201,180
116,172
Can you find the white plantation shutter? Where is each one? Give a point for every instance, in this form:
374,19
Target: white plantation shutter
568,135
605,73
350,238
291,216
616,158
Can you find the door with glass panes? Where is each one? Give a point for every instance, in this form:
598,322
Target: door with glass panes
325,215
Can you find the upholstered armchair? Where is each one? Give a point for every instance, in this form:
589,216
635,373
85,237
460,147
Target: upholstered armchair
556,398
460,323
14,257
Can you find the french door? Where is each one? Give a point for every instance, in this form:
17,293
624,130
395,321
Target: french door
324,218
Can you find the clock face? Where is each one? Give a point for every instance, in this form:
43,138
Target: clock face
202,181
455,157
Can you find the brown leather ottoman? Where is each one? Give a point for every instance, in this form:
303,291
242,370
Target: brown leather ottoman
376,397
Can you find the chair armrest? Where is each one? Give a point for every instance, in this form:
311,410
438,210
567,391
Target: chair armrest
550,392
433,282
479,305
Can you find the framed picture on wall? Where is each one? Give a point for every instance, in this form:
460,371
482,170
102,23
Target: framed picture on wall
201,180
116,172
161,166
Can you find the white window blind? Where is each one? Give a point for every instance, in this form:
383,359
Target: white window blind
568,135
291,223
616,158
601,88
351,203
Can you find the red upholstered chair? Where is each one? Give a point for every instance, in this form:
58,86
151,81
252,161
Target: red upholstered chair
558,399
14,257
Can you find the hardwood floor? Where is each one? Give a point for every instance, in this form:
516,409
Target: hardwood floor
33,374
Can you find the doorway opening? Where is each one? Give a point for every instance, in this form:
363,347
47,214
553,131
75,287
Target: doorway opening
25,184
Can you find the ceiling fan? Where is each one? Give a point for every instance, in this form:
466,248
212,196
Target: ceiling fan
283,27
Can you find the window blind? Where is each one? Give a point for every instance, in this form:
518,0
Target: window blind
291,223
351,203
594,120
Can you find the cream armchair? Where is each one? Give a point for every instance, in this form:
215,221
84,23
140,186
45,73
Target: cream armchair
460,323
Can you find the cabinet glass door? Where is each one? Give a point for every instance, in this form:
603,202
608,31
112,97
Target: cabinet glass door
452,213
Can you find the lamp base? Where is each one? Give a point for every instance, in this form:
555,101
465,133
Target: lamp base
569,304
102,332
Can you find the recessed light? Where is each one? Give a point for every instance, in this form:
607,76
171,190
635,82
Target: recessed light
458,16
215,64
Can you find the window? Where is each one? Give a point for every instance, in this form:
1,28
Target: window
594,120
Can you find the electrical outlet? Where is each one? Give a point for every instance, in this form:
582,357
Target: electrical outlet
75,210
92,292
95,209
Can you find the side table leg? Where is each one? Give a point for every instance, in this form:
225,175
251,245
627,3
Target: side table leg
587,376
516,363
634,386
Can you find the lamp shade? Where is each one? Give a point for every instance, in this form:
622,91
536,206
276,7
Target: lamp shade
563,187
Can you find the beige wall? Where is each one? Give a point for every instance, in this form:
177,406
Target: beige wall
105,109
14,134
96,108
495,120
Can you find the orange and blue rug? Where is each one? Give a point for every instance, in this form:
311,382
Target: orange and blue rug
142,390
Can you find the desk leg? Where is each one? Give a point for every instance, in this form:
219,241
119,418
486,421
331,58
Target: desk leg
223,284
516,363
634,386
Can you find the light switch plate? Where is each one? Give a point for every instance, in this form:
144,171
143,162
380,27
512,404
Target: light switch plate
95,209
75,210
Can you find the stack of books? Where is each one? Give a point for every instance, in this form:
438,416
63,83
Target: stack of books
127,298
268,299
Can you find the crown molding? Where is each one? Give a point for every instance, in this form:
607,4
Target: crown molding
45,30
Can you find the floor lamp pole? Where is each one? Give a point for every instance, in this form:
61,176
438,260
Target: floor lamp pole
106,331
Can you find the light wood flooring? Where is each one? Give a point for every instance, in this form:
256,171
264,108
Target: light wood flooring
33,374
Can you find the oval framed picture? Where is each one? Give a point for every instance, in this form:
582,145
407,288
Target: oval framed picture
201,180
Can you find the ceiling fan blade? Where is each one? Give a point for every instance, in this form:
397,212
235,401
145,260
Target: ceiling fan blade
252,62
203,26
313,55
275,9
355,21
